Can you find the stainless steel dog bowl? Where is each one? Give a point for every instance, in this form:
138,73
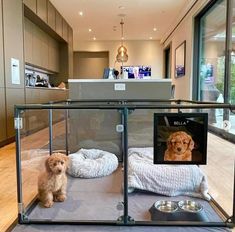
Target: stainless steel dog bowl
166,206
190,206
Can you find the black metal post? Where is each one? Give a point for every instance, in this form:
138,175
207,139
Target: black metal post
18,168
50,131
228,50
66,130
233,216
125,163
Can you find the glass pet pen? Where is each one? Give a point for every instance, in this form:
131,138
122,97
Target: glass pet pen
137,191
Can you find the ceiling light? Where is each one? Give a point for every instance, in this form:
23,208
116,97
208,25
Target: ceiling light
154,29
80,13
122,51
150,37
94,38
89,29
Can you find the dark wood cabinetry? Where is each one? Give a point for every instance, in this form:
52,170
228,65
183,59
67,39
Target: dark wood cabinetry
51,15
14,96
2,84
3,134
65,30
31,4
59,24
42,9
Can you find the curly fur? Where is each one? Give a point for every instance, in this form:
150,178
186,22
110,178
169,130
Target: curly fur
52,182
179,147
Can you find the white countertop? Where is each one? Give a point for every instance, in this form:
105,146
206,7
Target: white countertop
118,80
45,88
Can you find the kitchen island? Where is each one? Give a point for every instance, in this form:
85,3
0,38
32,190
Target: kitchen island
102,89
96,128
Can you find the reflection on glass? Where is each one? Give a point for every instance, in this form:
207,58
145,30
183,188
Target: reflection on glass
212,59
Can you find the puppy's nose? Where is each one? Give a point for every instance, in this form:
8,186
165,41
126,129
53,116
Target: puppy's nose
59,170
178,149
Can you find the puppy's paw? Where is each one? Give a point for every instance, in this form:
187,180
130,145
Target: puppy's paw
60,198
48,204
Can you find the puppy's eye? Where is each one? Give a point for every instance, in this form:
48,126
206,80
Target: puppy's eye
185,142
54,164
62,162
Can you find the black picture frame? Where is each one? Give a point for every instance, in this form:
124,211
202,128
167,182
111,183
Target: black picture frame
193,124
180,53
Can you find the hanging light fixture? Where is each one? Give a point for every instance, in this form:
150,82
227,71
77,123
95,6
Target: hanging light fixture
122,51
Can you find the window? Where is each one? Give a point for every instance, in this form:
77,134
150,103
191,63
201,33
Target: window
210,76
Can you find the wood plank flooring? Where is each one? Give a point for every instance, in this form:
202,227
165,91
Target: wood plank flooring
221,155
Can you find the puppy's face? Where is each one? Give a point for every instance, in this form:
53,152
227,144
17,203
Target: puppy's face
180,142
57,163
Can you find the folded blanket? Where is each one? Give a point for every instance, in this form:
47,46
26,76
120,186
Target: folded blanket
169,180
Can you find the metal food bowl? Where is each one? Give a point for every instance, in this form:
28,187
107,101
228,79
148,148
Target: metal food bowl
166,206
190,206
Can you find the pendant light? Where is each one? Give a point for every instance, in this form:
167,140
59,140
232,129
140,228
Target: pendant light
122,51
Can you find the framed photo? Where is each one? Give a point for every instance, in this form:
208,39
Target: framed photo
180,52
180,138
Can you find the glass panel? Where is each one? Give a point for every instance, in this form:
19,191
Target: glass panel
154,189
94,188
232,89
212,60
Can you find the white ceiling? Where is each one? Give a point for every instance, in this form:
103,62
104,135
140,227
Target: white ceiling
102,15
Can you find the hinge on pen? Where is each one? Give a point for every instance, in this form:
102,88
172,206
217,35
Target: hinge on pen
20,208
18,122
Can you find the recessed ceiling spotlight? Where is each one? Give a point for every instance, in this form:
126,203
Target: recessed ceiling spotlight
80,13
150,37
121,7
154,29
122,38
89,30
94,38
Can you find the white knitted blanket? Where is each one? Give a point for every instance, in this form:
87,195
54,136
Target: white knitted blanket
169,180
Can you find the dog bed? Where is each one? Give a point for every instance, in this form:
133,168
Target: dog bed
92,163
168,180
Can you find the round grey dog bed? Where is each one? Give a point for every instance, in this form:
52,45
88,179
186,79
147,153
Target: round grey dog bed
92,163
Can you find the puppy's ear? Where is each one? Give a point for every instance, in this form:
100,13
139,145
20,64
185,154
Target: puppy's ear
191,144
48,169
169,144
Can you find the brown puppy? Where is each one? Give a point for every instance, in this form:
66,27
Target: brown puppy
52,183
179,147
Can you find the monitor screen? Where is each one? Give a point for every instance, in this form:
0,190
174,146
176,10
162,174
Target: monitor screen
137,72
180,138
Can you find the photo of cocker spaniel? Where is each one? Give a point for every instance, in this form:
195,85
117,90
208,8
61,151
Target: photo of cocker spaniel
53,181
179,147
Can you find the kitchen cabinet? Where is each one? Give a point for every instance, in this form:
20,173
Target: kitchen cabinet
31,4
42,9
38,119
14,96
59,24
13,40
53,62
2,84
65,30
28,40
41,50
51,15
3,134
36,47
70,36
44,50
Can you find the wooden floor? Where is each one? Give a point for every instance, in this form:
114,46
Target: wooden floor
219,171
